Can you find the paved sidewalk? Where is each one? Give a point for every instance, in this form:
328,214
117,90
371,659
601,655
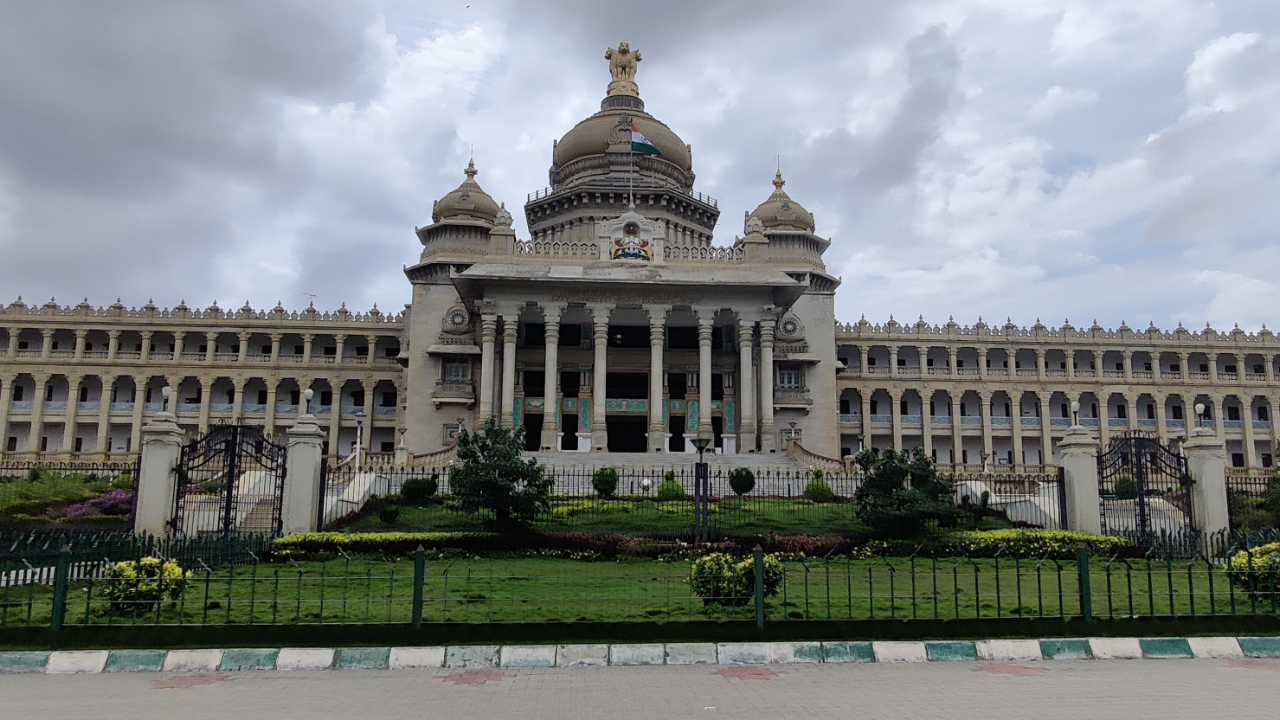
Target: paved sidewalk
1240,688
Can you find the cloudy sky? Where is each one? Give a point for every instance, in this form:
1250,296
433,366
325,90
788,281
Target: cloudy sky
1029,158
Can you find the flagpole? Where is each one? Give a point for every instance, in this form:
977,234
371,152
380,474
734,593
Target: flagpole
631,174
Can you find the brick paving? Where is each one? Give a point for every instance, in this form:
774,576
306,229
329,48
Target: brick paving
1240,689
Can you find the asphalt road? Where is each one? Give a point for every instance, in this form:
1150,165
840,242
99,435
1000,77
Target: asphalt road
1129,690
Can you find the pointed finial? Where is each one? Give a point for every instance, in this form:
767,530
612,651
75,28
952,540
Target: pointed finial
471,171
778,182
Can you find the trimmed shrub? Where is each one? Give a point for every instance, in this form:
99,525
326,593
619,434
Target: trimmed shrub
389,515
818,490
1057,544
605,481
670,489
721,579
742,480
1257,570
139,585
1126,488
420,490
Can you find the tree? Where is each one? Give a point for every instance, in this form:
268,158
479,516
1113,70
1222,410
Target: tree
491,475
901,492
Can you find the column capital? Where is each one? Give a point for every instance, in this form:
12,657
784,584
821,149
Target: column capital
113,334
600,314
277,336
489,325
210,334
147,334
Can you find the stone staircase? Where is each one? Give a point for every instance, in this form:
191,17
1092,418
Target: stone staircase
661,462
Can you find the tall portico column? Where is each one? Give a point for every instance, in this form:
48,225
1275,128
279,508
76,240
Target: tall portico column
952,360
335,415
982,362
488,336
339,342
139,399
206,389
1046,429
600,337
747,400
178,337
926,420
46,344
1246,415
69,419
113,343
269,421
509,325
895,418
210,349
957,438
1162,426
80,336
307,341
1040,366
705,319
1184,360
551,376
6,396
1015,423
37,413
866,394
893,359
145,353
104,414
237,398
657,331
275,347
1071,364
768,440
984,398
864,352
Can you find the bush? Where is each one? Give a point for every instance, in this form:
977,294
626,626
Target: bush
1057,544
1257,570
1126,488
605,481
902,493
742,480
139,585
420,490
491,475
116,502
721,579
389,515
818,490
670,489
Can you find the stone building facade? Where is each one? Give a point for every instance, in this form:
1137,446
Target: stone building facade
619,326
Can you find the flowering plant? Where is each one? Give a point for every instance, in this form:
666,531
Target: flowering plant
141,584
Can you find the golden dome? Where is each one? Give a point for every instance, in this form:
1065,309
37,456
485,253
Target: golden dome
467,202
780,212
593,135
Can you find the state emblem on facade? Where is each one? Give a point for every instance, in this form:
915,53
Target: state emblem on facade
631,246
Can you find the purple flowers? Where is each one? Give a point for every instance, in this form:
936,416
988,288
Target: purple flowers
115,502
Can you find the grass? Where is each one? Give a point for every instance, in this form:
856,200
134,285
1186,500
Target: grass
749,515
550,589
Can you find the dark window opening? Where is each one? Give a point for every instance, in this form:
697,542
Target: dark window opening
570,336
533,383
875,407
682,338
844,409
630,386
903,408
1120,411
389,398
1066,410
569,432
297,349
721,336
84,394
1233,413
535,335
357,398
717,386
11,445
362,351
1177,412
532,433
48,393
266,349
1151,412
326,398
677,385
629,336
391,351
1230,368
1266,460
17,393
1237,460
262,397
79,446
1204,367
1264,414
627,433
295,397
330,350
677,433
387,446
569,383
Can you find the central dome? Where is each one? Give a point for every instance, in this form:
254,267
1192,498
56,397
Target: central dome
592,137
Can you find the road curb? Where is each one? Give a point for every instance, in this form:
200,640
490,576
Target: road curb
519,656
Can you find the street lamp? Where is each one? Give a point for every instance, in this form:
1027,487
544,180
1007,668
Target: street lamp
793,429
402,432
1199,415
306,400
1075,412
166,392
985,456
701,489
359,435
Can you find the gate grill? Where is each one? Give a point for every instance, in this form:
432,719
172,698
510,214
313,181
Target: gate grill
231,481
1145,494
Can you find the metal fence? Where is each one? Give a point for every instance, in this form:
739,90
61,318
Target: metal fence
1253,500
71,495
431,588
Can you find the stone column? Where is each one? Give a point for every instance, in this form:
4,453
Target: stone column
37,413
1131,401
145,353
157,482
957,436
599,430
1071,364
1128,365
301,502
1162,425
69,417
80,336
104,414
339,347
6,397
139,397
370,386
269,422
1080,472
1104,422
985,408
1219,401
113,344
335,415
243,338
982,362
237,400
206,390
275,347
178,341
1040,365
372,342
551,376
746,388
12,352
1184,360
1207,464
509,325
893,359
307,341
953,357
488,336
1246,415
46,343
768,439
895,418
1046,429
1015,423
210,348
1213,366
706,319
866,417
657,334
864,352
926,421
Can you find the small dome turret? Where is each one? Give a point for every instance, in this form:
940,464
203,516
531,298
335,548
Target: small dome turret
780,212
467,202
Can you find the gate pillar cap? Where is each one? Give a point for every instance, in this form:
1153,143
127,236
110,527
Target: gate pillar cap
1203,439
162,422
306,425
1077,435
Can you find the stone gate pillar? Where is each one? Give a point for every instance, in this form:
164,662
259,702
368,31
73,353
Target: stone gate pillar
157,481
301,504
1207,464
1080,476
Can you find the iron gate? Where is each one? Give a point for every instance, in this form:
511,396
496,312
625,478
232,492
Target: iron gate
230,481
1145,493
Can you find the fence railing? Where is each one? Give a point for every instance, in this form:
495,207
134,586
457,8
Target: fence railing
432,588
1253,500
70,495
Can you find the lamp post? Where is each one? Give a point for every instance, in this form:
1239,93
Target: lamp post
985,456
306,400
1199,415
701,489
166,392
359,436
1075,412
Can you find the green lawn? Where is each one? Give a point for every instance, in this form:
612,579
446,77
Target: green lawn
739,515
541,589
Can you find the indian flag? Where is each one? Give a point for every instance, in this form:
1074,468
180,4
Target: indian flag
641,144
